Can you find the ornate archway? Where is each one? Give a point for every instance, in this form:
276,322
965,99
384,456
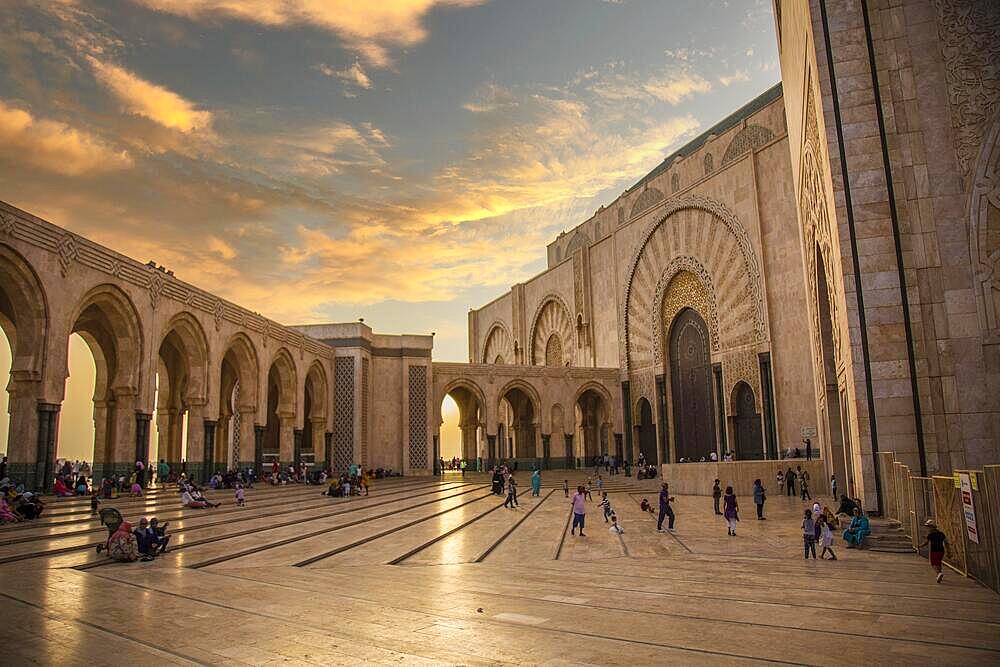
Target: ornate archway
690,366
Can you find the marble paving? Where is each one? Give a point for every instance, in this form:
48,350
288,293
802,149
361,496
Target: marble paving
436,571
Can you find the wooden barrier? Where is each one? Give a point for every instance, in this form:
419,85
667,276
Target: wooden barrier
887,478
948,517
695,479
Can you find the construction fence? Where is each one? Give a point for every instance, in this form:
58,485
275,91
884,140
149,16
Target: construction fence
964,506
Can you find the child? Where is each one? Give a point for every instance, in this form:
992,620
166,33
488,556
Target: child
606,506
615,527
94,502
136,489
566,488
826,538
937,540
600,484
646,507
587,490
240,498
809,534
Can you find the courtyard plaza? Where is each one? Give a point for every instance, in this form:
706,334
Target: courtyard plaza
436,570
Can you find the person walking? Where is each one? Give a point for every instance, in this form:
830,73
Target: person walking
759,496
511,501
566,488
809,448
936,539
731,510
163,472
716,496
665,510
833,486
808,534
606,506
579,508
790,482
536,482
826,538
803,476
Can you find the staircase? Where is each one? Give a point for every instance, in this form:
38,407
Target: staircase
888,537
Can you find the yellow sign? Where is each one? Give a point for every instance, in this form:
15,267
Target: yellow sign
975,484
958,481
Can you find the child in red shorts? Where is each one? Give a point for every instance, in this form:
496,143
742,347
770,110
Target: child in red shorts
936,539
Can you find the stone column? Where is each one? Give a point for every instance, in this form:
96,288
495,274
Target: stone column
22,434
318,441
571,459
546,453
328,449
286,438
193,458
208,462
258,450
248,437
122,444
491,450
142,421
297,448
48,427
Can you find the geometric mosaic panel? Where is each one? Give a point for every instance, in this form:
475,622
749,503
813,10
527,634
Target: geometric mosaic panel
418,416
343,422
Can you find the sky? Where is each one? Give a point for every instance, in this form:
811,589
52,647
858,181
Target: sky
325,160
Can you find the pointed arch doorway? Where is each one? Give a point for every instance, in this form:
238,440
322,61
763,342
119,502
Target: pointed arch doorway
690,363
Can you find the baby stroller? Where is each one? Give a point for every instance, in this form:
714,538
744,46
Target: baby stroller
112,519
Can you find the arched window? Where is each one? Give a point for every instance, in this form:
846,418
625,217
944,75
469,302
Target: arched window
709,164
553,351
675,183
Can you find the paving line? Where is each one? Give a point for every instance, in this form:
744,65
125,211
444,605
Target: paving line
413,552
45,612
481,557
562,538
323,531
250,531
371,538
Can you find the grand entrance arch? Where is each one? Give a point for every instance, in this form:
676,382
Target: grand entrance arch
690,363
592,411
471,407
519,424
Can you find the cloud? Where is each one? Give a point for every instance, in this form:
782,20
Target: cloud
140,97
672,84
739,76
675,89
56,146
489,98
354,76
368,28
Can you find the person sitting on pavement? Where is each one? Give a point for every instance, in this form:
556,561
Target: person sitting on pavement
858,530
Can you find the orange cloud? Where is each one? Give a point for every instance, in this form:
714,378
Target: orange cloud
367,27
55,146
149,100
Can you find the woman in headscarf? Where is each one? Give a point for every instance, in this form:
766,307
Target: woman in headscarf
858,530
536,483
122,545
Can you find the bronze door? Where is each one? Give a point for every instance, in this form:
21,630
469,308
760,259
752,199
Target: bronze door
647,433
691,387
749,441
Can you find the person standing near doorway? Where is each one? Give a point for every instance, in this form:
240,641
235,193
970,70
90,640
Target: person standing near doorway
665,510
579,509
731,510
809,448
759,496
716,496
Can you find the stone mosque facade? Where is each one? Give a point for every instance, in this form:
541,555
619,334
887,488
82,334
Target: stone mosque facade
822,263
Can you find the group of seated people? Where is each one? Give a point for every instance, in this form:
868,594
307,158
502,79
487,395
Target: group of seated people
645,472
191,495
144,542
346,484
68,485
231,478
18,505
859,527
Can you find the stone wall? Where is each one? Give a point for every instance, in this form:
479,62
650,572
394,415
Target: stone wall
695,479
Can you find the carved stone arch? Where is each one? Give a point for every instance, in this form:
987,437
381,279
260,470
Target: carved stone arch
984,232
551,317
319,386
704,229
240,358
108,321
647,198
579,240
499,345
701,299
528,389
468,385
284,366
749,138
185,336
597,388
24,315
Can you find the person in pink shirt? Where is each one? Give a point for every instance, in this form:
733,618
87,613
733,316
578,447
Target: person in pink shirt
579,504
